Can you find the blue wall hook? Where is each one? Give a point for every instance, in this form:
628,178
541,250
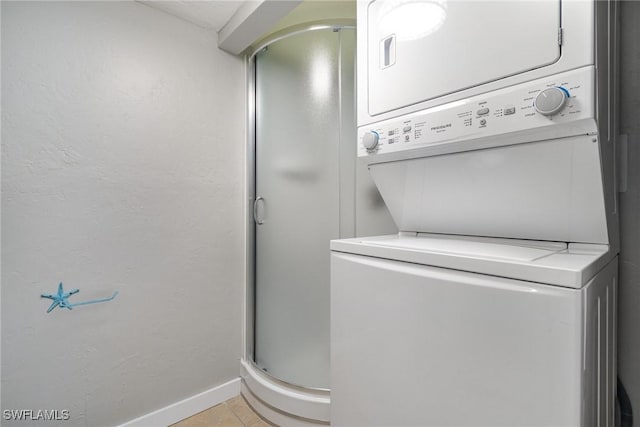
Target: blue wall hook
61,299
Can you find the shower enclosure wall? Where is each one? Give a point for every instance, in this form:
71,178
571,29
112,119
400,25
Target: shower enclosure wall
305,189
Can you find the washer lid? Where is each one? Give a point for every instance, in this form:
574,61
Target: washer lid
553,263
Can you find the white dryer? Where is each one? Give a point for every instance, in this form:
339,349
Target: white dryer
490,139
415,54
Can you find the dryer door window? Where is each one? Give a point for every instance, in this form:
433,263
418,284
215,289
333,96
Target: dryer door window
419,50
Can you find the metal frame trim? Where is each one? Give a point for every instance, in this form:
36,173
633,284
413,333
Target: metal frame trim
250,230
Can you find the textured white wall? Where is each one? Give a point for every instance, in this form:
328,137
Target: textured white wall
122,169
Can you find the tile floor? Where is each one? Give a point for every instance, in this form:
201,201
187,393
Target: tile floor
234,412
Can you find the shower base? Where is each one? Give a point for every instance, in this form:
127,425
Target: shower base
282,403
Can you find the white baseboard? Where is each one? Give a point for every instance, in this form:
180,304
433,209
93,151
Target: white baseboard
188,407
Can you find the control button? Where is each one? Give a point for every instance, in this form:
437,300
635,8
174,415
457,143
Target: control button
391,132
509,111
406,138
391,140
550,101
406,129
370,140
483,122
482,111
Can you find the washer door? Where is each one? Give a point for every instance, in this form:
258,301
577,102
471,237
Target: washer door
453,45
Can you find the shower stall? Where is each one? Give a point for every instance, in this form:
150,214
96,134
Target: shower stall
304,189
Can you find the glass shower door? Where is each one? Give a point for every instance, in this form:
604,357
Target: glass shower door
297,209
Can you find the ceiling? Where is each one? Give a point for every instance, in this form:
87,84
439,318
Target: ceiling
209,14
257,19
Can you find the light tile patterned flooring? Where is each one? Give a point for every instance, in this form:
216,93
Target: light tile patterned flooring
234,412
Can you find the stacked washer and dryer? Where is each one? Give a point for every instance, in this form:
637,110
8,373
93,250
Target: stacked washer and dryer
488,129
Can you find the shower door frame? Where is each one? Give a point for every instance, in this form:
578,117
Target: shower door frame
250,196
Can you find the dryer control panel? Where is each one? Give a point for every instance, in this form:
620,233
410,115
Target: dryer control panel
554,107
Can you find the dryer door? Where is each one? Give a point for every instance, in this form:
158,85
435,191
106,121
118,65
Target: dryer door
419,50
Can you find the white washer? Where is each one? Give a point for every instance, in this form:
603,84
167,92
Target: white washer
491,141
436,330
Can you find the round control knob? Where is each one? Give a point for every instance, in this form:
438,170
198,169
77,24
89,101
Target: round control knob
370,140
550,101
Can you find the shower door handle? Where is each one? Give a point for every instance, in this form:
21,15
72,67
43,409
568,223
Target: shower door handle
257,220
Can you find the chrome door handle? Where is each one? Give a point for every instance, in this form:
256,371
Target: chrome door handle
257,220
